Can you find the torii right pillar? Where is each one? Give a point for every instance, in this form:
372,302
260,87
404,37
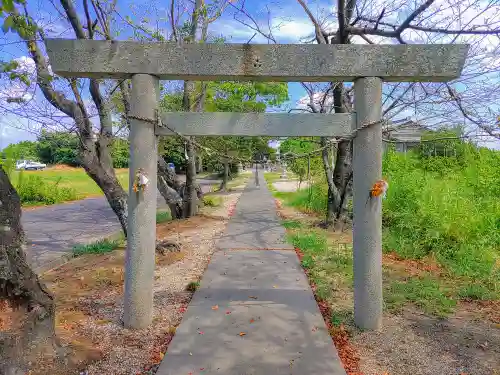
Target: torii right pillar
367,223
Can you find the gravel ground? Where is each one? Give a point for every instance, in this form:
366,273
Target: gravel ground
413,343
133,352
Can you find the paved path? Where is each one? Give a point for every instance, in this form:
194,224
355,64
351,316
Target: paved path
52,231
261,293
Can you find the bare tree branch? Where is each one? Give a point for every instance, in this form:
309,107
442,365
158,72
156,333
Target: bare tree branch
320,35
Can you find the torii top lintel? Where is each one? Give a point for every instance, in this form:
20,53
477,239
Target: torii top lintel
256,62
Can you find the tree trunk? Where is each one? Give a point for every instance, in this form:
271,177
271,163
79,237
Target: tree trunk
170,188
104,176
190,196
33,333
340,178
225,176
173,190
199,167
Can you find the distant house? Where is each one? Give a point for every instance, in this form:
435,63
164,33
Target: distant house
405,136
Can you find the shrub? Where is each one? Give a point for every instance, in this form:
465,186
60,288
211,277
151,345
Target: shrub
193,286
212,201
34,190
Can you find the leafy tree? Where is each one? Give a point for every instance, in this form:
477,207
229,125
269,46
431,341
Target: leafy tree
227,96
58,148
292,147
22,150
120,152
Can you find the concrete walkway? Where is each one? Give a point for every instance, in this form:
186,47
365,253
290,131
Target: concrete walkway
254,313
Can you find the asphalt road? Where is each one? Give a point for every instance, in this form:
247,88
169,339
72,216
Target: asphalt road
52,231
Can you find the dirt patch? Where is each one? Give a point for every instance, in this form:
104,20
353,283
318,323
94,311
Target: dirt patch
289,213
88,291
413,267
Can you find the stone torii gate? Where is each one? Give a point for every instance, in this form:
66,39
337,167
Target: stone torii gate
145,63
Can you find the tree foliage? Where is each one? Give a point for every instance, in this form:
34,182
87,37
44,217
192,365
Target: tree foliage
61,147
299,146
227,96
21,150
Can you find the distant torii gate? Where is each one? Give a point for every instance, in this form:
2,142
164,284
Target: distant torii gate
145,63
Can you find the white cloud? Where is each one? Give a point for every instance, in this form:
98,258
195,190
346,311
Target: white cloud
26,65
15,91
13,130
294,30
304,101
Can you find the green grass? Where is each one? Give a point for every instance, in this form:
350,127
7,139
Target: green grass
240,179
476,291
193,286
98,247
212,200
330,267
74,178
292,224
34,190
162,216
427,293
271,177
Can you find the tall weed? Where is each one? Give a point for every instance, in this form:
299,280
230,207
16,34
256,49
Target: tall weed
453,213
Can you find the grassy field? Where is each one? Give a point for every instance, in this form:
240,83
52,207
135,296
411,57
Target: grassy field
61,183
74,178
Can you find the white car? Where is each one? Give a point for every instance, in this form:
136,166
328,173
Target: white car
29,165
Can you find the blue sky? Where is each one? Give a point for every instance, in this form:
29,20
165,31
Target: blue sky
13,128
287,18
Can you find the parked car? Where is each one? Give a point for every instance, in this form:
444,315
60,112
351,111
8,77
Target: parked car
29,165
171,166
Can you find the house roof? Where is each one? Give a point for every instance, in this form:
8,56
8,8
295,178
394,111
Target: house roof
409,131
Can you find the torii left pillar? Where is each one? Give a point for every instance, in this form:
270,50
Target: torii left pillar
141,236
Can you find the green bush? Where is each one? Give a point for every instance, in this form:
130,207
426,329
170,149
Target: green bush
34,190
120,153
